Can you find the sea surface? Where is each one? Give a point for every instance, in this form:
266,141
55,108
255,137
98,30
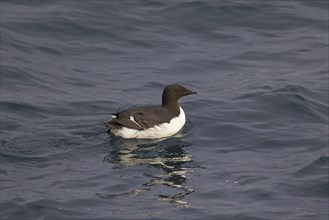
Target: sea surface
255,144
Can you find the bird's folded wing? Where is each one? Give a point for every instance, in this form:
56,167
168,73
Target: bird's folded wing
117,123
140,118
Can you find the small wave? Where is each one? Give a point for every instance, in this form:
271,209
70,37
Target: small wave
22,110
287,102
317,167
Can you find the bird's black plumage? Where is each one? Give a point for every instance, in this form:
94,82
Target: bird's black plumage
144,117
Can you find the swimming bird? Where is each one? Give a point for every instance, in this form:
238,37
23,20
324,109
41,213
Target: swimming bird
151,122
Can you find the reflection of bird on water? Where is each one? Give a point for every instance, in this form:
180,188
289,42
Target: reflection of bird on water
166,154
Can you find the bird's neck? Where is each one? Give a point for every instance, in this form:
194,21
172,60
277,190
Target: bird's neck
172,106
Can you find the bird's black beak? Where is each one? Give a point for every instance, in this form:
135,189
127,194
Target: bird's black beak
189,92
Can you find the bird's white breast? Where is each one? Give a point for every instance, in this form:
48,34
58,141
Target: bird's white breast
158,131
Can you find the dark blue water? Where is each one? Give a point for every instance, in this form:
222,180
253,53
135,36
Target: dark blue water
255,145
